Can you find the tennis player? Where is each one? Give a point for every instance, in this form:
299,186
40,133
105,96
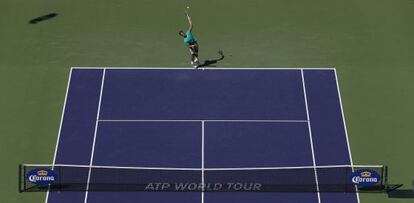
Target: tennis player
191,42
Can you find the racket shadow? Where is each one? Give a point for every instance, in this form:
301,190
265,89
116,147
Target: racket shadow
43,18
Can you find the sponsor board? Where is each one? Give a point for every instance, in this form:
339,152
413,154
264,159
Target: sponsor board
365,177
41,176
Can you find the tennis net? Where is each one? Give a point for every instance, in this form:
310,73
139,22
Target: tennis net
337,178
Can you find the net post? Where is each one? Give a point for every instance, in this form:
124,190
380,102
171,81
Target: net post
385,179
24,182
20,178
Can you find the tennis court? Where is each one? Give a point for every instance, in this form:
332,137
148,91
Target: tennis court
213,118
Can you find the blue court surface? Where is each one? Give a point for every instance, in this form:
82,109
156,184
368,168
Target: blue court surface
212,118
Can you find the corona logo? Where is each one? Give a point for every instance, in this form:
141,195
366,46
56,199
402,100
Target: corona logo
41,176
365,178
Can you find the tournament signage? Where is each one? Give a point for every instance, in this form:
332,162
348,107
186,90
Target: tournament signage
365,177
41,176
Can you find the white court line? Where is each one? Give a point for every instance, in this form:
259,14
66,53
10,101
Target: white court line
345,129
199,169
310,135
202,161
206,68
94,136
60,126
190,120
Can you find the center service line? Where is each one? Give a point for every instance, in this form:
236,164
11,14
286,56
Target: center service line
202,161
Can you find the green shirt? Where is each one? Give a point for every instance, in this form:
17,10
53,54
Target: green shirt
189,38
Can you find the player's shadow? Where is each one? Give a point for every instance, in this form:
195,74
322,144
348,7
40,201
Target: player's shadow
43,18
212,62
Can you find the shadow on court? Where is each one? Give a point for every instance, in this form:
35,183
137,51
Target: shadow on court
212,62
401,194
43,18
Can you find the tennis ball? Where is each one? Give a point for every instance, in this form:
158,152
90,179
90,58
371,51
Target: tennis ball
188,7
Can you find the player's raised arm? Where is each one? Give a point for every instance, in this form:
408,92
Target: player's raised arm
190,28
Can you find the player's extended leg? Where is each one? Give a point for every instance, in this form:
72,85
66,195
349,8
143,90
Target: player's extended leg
194,54
194,58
